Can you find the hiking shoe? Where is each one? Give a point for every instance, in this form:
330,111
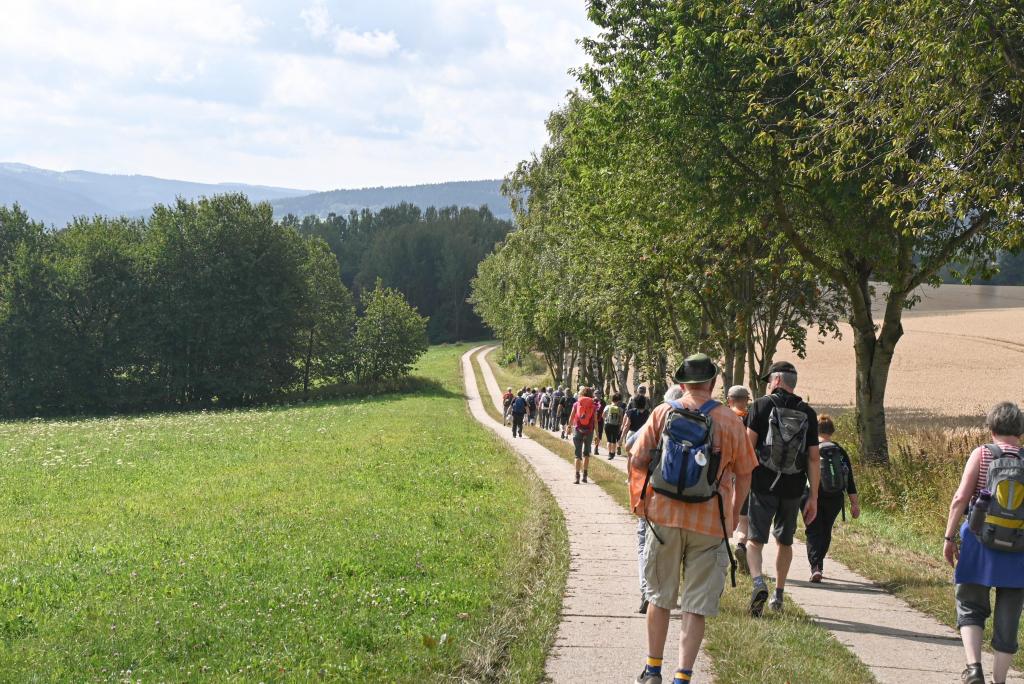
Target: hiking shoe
577,477
775,605
816,575
757,599
646,677
597,451
584,477
741,559
611,457
972,674
643,606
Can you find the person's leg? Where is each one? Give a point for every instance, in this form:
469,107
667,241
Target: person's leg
1005,623
588,438
663,551
783,531
705,563
972,610
641,539
690,639
828,511
761,510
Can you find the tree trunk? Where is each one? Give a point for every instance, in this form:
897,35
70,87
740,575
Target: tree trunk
741,361
874,358
728,365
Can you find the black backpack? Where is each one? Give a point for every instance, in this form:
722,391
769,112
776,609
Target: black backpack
785,446
834,476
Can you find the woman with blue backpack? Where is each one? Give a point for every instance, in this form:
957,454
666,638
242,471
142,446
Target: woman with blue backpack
991,551
835,485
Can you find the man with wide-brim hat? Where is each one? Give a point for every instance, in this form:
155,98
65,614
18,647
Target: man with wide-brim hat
687,538
775,496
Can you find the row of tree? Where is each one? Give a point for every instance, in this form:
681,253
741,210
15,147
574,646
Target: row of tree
206,302
729,172
430,256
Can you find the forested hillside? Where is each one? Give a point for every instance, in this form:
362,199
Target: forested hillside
341,202
429,255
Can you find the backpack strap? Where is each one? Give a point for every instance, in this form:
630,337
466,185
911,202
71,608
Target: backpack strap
709,406
996,451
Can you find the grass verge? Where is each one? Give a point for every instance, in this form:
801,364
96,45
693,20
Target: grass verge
776,648
390,539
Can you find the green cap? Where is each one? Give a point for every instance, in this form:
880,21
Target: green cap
696,369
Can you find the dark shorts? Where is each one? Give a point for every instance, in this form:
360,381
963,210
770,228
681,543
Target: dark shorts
771,513
745,508
973,607
613,432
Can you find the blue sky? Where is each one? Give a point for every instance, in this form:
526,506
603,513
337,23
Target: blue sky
315,94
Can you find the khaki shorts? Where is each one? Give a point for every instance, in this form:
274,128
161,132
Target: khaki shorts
702,560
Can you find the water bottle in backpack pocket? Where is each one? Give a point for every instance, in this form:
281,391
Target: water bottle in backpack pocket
1002,527
685,466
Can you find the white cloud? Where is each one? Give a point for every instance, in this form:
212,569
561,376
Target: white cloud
375,44
317,19
235,90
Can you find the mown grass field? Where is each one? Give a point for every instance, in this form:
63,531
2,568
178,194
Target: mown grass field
388,539
776,648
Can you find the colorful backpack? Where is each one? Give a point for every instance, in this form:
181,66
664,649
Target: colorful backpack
585,412
1003,526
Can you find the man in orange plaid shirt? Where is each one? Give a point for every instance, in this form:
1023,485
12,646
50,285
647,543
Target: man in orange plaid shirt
688,536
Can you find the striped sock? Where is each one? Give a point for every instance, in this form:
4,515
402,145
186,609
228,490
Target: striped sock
653,665
683,677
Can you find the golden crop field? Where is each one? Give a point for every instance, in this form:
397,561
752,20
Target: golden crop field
962,350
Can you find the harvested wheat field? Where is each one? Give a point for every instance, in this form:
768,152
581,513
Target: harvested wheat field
962,350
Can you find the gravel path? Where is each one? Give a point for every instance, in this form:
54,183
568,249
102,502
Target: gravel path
601,638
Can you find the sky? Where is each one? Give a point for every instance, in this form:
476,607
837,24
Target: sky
314,94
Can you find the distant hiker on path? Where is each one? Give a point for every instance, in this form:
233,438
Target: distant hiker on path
738,398
599,432
556,407
613,416
518,410
836,483
506,402
641,391
582,422
784,432
687,537
545,408
991,554
636,416
565,410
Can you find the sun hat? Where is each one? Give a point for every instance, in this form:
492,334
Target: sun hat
779,367
696,369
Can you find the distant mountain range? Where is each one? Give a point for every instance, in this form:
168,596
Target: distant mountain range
55,197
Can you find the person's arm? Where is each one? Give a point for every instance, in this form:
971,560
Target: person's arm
958,505
740,494
572,417
851,487
752,436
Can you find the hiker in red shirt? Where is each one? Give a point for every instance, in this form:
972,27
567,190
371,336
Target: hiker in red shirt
582,423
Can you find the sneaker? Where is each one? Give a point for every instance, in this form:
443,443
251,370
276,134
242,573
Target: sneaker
577,477
971,675
584,477
757,599
643,606
741,559
775,605
816,575
646,677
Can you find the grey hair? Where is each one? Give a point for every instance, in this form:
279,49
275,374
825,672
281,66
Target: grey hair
1005,419
674,392
787,379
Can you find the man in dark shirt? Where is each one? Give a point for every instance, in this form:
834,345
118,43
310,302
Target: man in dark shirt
774,498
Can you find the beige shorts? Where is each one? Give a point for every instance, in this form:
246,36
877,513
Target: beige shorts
701,560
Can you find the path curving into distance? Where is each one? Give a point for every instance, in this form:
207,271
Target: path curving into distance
898,643
600,638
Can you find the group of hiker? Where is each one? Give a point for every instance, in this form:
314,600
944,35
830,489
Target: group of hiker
700,470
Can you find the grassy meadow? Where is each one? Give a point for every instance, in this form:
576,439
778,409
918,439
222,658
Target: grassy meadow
385,539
